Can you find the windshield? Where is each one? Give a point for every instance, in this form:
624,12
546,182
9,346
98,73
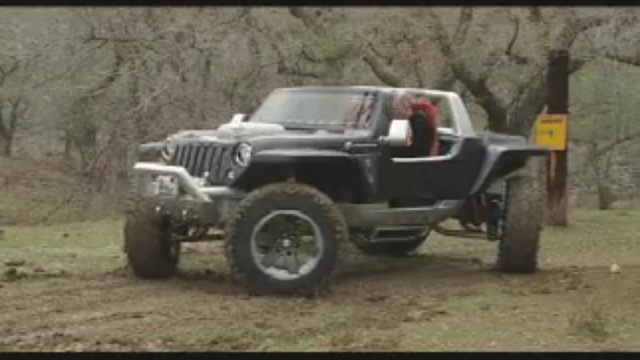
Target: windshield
333,109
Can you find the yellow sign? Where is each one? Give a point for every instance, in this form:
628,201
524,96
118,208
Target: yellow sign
551,131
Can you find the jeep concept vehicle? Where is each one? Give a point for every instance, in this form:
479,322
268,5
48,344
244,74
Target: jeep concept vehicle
314,167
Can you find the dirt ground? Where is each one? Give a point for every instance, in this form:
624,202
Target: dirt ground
65,288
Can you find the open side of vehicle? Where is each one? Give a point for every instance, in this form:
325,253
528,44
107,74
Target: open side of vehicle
289,202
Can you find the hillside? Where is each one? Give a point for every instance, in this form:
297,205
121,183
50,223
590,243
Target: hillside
35,192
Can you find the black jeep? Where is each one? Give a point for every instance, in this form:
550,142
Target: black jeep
315,167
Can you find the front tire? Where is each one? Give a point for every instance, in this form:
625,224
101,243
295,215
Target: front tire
150,253
270,262
522,222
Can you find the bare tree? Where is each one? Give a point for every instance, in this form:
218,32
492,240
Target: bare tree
506,75
605,125
160,79
120,76
13,105
509,80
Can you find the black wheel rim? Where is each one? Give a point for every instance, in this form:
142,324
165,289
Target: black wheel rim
286,244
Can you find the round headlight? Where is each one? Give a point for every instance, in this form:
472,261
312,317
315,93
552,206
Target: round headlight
243,154
168,150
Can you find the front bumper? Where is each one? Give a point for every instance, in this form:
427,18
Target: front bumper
188,198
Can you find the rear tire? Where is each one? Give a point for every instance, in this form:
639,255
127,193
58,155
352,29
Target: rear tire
522,221
260,276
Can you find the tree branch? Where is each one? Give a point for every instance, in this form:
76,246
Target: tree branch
531,103
612,145
309,19
477,85
115,39
7,70
387,59
418,74
295,70
573,26
633,60
380,70
110,79
520,60
445,80
535,15
17,114
414,60
464,23
514,37
4,132
575,64
526,87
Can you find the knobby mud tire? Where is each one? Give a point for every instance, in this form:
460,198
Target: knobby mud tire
261,202
149,252
522,221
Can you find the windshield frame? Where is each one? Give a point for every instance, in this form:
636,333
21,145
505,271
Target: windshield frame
373,114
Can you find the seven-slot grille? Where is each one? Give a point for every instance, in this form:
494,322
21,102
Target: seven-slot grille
198,158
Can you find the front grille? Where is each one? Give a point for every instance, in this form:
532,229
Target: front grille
198,158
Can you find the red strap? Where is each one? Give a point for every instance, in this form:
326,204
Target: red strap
429,108
432,112
434,146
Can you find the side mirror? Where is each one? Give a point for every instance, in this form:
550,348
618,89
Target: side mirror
237,119
399,133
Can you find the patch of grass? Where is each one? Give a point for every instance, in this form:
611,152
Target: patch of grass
83,248
593,238
592,321
472,302
440,299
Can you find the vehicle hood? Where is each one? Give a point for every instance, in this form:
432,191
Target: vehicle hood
262,135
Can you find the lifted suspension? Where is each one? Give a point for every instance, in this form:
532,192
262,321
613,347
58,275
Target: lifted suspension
484,209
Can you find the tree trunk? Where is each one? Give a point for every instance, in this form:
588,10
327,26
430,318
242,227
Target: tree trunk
606,197
68,145
7,146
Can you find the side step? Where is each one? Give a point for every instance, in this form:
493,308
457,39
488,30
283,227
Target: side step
381,215
211,235
466,234
393,234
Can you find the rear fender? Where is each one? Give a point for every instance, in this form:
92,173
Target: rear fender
504,161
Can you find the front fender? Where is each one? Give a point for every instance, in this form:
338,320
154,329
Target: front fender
150,151
327,167
503,160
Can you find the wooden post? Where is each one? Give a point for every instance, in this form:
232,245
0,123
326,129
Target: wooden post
558,103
